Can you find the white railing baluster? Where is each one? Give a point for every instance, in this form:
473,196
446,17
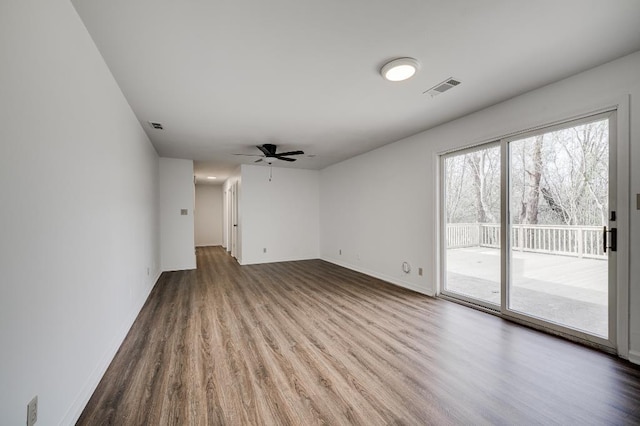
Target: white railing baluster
578,241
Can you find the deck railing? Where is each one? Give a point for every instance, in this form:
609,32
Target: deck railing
579,241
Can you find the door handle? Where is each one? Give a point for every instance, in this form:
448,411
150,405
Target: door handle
613,239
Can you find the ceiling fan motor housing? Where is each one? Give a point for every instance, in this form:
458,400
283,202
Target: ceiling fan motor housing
270,149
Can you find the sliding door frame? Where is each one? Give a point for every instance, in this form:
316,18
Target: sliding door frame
619,133
443,226
505,231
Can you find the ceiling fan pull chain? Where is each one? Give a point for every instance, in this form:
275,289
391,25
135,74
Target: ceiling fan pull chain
270,172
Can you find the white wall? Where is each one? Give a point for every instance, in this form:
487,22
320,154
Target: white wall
380,208
208,215
177,244
281,215
372,210
78,216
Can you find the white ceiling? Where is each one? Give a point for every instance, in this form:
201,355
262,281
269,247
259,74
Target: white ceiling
225,75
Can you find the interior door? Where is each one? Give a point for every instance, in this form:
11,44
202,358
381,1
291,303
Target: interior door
234,220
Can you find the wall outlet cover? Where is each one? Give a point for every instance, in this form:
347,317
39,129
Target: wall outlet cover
32,411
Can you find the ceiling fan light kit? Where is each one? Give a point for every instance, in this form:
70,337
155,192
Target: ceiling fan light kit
400,69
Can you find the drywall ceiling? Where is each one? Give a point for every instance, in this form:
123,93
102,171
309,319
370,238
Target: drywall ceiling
225,75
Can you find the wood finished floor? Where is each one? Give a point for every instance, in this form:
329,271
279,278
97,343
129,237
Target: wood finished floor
304,343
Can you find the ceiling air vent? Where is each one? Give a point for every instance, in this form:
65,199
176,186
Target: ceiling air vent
155,125
442,87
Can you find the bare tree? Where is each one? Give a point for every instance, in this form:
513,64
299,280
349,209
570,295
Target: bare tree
483,171
472,186
581,180
455,171
530,154
559,177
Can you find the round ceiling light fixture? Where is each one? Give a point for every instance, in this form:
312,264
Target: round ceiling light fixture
400,69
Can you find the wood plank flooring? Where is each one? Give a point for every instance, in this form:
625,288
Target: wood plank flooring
305,343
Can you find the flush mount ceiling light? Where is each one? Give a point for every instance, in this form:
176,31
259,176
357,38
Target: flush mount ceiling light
400,69
211,177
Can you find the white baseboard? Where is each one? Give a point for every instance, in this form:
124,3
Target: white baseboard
634,357
391,280
74,412
276,260
179,268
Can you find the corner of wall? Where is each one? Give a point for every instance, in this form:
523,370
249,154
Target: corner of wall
177,224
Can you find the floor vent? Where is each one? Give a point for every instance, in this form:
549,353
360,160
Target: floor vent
442,87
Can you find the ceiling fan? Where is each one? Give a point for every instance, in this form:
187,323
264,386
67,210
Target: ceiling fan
270,151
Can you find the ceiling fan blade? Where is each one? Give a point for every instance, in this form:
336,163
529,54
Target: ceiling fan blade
258,160
280,157
249,155
291,153
264,150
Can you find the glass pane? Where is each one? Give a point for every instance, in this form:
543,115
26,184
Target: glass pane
559,191
472,213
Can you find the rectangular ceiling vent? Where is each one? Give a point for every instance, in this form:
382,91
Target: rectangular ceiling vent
442,87
155,125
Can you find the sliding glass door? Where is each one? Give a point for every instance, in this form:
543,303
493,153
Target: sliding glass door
559,217
471,209
528,227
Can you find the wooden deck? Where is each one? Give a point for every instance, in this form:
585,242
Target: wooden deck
570,290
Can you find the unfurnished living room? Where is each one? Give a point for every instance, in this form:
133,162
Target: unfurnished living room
334,212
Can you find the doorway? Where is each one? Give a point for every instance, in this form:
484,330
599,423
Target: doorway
529,227
233,222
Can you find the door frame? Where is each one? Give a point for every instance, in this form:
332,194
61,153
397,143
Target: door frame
443,226
621,105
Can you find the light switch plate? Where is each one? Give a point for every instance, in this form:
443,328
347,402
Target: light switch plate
184,212
638,201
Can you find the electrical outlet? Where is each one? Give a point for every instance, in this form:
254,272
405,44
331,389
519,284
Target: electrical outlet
264,250
32,411
340,252
148,271
420,271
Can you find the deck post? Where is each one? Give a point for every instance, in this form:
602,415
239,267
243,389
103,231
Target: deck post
521,237
580,243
